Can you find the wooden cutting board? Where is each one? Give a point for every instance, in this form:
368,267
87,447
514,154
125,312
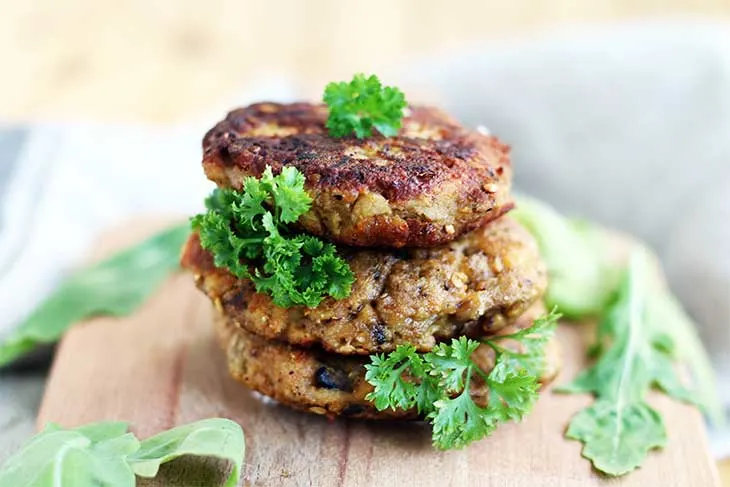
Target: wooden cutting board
162,367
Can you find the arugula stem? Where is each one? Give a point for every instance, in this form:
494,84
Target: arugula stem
637,298
621,428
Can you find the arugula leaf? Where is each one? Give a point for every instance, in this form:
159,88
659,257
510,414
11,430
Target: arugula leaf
115,286
617,439
362,105
247,233
581,276
100,431
105,454
649,344
58,457
438,383
216,437
620,429
683,344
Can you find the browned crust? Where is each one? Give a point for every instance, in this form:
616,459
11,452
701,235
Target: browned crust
332,385
429,184
474,285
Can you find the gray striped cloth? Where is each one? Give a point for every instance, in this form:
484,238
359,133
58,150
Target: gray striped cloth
60,187
63,185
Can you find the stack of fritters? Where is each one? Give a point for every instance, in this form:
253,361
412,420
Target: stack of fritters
419,219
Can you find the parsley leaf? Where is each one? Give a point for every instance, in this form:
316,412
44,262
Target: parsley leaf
362,105
290,199
513,383
401,380
531,343
439,383
635,354
459,421
247,233
456,418
512,393
452,363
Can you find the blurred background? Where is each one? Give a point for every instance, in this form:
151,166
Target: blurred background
617,110
168,60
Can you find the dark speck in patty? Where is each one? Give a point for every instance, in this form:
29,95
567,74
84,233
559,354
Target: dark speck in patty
330,378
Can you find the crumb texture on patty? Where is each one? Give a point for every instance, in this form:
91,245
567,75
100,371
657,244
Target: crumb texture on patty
472,286
429,184
334,385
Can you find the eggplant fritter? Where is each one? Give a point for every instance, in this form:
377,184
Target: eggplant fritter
322,383
472,286
429,184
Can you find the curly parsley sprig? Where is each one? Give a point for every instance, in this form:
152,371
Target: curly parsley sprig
362,105
247,232
438,383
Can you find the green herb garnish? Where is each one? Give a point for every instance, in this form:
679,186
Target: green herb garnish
635,353
438,383
107,454
581,276
666,312
643,335
248,233
115,286
362,105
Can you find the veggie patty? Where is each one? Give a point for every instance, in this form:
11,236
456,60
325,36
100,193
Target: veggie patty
329,384
427,185
472,286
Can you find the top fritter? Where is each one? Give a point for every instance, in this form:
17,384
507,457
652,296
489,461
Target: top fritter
429,184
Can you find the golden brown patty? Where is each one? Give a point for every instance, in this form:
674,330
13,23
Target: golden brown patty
474,285
429,184
330,384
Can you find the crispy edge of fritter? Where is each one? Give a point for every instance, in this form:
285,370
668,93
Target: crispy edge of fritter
394,192
238,298
328,384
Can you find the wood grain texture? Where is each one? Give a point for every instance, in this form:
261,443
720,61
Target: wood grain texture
162,367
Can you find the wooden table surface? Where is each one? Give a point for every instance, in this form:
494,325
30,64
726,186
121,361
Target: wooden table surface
167,60
172,335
